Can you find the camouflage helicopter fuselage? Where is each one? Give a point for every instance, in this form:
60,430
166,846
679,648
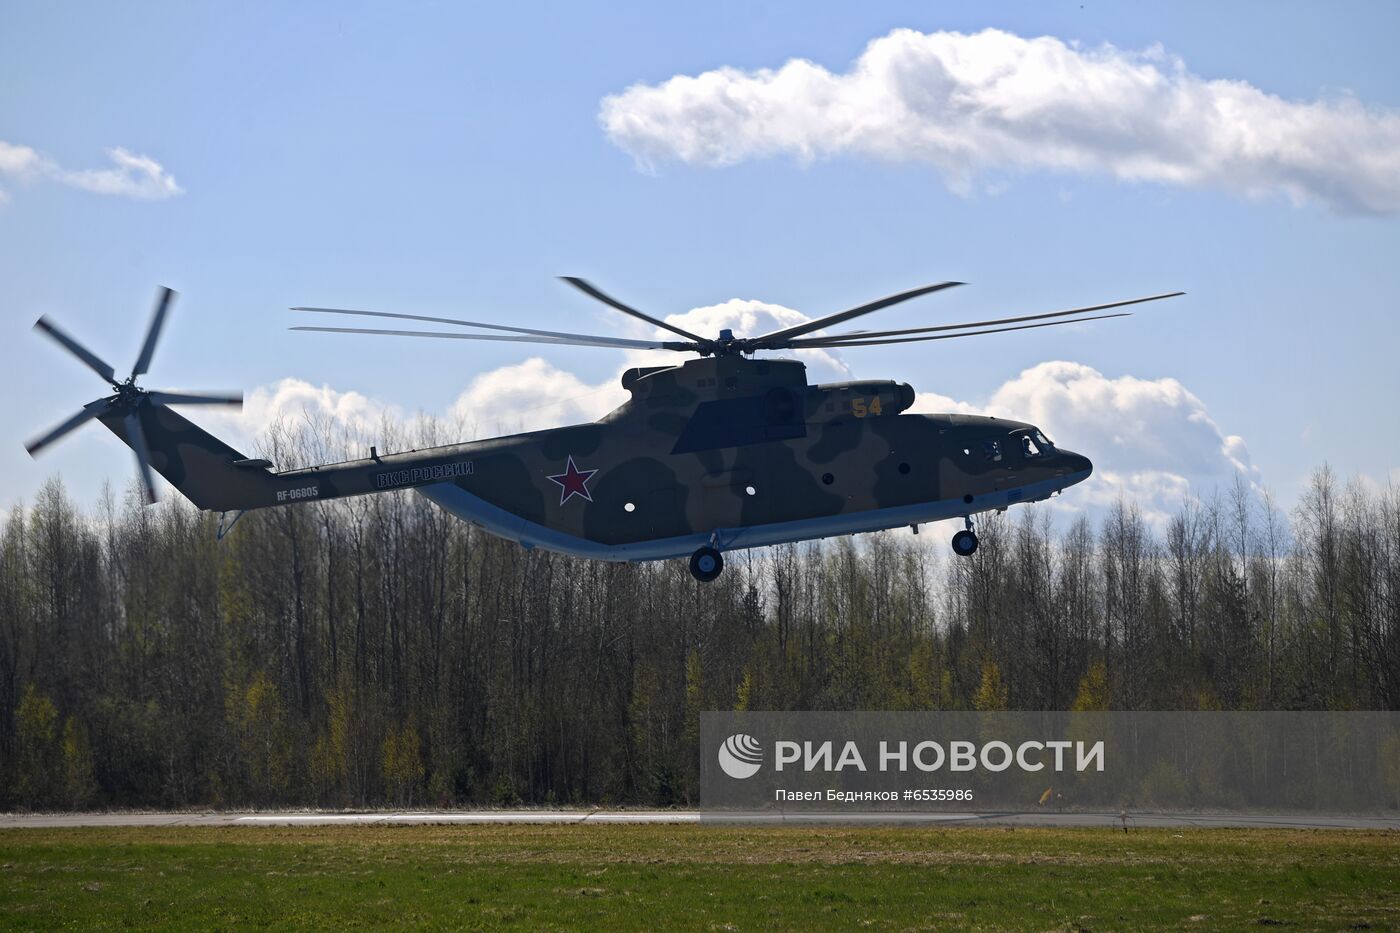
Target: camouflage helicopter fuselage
724,452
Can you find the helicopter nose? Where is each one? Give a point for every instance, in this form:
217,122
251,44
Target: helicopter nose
1077,467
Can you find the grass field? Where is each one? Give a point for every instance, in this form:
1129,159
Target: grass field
699,877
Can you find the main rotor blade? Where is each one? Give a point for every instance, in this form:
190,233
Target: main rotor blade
452,320
866,335
181,398
610,342
137,437
588,289
94,362
89,412
778,338
824,343
163,299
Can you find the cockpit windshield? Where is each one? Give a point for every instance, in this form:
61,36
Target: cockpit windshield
1035,444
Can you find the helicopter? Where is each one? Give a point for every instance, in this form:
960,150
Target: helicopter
725,451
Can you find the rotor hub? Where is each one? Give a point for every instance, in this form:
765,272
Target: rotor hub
129,394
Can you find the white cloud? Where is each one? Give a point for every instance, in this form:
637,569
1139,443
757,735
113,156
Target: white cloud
1152,441
1381,483
135,176
19,160
295,403
969,104
746,318
131,176
296,398
532,395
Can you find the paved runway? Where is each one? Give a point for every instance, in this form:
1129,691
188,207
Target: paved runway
415,817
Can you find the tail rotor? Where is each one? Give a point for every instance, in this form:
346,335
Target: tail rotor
129,399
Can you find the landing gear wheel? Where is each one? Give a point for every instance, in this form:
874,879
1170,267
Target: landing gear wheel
706,564
965,543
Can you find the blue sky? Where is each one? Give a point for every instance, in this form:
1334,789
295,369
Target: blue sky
451,159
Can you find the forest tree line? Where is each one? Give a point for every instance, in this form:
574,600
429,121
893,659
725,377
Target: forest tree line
379,651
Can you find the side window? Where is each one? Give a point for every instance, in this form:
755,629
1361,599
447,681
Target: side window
991,451
1029,448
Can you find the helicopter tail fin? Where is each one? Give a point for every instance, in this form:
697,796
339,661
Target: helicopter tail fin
207,471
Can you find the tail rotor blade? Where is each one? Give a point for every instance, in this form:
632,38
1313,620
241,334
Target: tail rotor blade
163,299
94,362
137,437
182,398
78,420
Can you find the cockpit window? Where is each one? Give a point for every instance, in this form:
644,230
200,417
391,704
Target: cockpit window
1042,440
991,451
1029,447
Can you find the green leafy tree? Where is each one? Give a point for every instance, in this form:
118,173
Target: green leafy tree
79,783
402,764
1094,694
329,762
744,695
39,778
992,693
260,720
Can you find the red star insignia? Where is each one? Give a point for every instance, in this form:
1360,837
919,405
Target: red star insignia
573,482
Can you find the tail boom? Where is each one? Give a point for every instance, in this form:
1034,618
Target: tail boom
219,478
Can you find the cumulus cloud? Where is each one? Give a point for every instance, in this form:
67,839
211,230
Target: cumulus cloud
336,416
296,398
532,395
994,101
18,160
1153,442
1381,483
746,318
131,175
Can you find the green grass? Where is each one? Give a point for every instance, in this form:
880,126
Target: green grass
699,877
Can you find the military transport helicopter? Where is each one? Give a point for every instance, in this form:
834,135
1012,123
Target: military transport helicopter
724,451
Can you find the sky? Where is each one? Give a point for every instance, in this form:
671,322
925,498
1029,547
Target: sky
734,165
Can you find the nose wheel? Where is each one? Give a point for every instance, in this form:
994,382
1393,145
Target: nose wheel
706,564
965,541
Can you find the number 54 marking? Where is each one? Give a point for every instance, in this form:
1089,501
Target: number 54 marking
860,408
